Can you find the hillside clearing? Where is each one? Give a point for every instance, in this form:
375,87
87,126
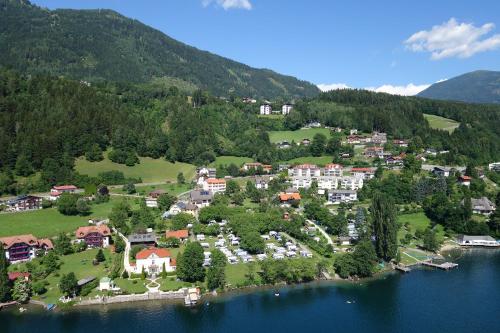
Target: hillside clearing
441,123
297,136
149,170
226,160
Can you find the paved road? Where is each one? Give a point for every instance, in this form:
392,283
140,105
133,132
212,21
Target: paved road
327,236
126,255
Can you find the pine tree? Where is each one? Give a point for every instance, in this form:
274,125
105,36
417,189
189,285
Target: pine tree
4,276
384,226
100,256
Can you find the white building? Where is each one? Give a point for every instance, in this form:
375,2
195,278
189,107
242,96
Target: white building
334,170
152,261
365,173
286,108
215,185
305,170
266,109
477,241
151,202
351,183
338,196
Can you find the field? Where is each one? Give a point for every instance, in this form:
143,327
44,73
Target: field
47,222
226,160
441,123
321,160
297,136
173,189
149,170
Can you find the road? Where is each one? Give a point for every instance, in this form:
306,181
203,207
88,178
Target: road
327,236
126,255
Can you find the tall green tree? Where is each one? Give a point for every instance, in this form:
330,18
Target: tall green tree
385,226
21,291
4,276
190,263
62,244
68,284
318,144
216,275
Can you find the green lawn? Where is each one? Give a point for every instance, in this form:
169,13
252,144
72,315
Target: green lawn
441,123
170,284
48,222
271,116
149,170
321,160
136,286
81,265
235,274
416,221
173,189
297,136
226,160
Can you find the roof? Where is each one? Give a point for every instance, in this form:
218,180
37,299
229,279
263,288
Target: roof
362,170
142,238
291,190
482,204
86,280
465,178
65,187
27,239
84,231
146,253
180,234
216,181
333,166
289,196
191,206
476,238
45,242
200,195
105,280
342,191
15,275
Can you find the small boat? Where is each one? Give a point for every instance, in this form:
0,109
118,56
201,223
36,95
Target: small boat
51,307
348,302
21,309
276,294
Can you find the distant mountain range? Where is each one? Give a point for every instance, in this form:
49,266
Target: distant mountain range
97,45
473,87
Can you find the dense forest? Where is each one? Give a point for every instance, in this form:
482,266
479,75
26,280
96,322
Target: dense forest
98,45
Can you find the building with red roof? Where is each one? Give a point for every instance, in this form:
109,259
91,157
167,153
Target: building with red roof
24,247
153,261
464,180
181,235
13,276
94,236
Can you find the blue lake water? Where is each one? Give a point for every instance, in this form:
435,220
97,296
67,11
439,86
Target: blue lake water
466,299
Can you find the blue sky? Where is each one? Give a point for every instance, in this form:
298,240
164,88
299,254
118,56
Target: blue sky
377,44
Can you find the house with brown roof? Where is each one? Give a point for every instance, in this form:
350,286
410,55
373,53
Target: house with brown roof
152,260
94,236
289,197
24,247
181,235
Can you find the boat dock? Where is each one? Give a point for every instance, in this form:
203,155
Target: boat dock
403,268
445,266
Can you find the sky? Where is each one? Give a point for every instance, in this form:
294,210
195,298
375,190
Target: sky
393,46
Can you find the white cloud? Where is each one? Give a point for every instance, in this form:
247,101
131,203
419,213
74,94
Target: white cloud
332,86
454,39
408,90
229,4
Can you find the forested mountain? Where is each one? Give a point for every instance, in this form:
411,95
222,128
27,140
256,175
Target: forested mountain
97,45
473,87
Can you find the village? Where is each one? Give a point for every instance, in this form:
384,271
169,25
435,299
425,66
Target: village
147,259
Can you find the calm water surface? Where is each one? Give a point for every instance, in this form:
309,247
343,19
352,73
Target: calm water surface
466,299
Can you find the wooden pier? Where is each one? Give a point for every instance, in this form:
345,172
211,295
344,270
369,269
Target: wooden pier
445,266
403,268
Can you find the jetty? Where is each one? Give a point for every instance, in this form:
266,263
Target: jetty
403,268
444,266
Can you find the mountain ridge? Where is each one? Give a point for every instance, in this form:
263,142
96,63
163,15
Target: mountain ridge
104,45
480,86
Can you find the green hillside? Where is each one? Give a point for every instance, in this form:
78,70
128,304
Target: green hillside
473,87
96,45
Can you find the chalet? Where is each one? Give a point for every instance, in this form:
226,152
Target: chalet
333,170
266,109
283,145
262,183
464,180
24,247
156,193
286,108
482,206
357,139
181,235
153,260
56,191
487,241
379,138
215,185
305,142
344,240
494,166
207,172
248,100
365,173
339,196
289,197
353,131
175,209
191,209
256,165
374,152
400,143
395,160
201,198
24,203
94,236
441,171
142,239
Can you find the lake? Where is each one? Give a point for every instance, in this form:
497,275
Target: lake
466,299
